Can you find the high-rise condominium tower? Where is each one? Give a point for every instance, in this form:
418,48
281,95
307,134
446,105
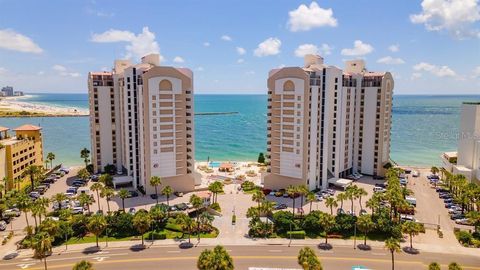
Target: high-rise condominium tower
141,118
326,123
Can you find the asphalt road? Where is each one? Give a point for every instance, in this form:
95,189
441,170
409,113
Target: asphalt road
244,257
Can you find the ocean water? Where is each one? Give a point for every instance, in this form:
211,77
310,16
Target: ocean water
423,127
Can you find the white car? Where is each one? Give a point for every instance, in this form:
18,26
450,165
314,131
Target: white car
415,174
462,221
407,218
318,197
3,225
77,210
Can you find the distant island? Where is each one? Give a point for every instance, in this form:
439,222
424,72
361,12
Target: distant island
17,107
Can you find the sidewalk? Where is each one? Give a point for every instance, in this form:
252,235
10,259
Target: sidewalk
90,247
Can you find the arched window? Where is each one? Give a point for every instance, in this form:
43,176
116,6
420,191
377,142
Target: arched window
288,86
165,85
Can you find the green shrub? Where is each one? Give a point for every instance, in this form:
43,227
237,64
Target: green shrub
284,221
157,235
216,207
248,185
296,234
465,237
173,227
311,223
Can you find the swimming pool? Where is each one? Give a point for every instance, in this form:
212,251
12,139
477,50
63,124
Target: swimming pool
214,164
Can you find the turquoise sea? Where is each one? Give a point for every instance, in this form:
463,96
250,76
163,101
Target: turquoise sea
423,127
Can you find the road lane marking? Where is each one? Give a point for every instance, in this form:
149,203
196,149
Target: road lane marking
173,251
275,250
379,254
25,265
100,258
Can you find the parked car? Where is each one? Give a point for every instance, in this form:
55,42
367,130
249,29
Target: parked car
64,170
448,200
407,218
403,181
363,212
456,216
132,211
278,194
272,193
318,197
72,190
178,194
415,173
463,221
132,193
95,178
449,204
340,211
34,195
411,200
379,189
454,209
3,225
280,206
173,208
154,196
189,205
12,212
181,206
382,185
77,210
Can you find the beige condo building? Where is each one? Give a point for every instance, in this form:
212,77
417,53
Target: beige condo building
142,123
325,123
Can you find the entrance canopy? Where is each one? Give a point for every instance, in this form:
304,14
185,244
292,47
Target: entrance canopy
340,182
122,180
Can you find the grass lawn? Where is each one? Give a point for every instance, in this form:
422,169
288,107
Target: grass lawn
170,235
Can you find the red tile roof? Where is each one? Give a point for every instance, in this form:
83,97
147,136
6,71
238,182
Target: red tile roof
27,128
2,129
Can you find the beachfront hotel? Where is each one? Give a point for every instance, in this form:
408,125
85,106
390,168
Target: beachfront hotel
19,151
466,160
325,123
141,118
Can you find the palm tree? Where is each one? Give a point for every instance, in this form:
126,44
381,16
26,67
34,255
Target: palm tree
267,207
107,193
218,258
341,197
96,225
83,265
310,199
352,194
327,222
330,202
4,186
474,218
97,187
360,192
302,190
197,203
155,181
50,226
85,200
365,225
308,260
142,221
258,197
393,245
292,192
167,192
106,179
454,266
123,194
50,158
83,174
32,172
206,219
85,154
24,203
59,198
434,170
42,246
412,228
434,266
215,187
187,224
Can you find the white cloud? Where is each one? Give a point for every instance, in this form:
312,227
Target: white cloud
439,71
206,44
305,49
3,70
226,38
241,51
241,60
394,48
200,68
458,17
305,17
178,59
137,45
11,40
388,60
326,49
476,72
270,46
359,49
63,71
416,75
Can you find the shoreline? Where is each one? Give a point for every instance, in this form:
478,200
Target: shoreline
17,107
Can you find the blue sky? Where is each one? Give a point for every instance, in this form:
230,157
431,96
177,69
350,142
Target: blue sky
431,46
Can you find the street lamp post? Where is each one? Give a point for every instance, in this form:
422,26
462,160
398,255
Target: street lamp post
289,243
355,234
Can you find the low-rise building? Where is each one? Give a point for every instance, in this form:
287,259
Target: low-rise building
466,160
19,151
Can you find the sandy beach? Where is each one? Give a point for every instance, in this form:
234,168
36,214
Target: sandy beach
17,107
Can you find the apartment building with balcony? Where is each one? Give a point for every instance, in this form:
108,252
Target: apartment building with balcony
148,123
19,152
466,160
325,123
